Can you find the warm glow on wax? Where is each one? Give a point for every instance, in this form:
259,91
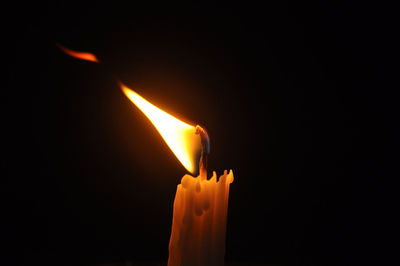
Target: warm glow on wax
179,136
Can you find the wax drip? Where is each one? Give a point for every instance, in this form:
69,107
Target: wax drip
205,150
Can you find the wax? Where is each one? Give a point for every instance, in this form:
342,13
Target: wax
199,220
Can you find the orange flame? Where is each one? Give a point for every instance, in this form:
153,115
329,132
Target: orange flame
183,139
79,55
180,137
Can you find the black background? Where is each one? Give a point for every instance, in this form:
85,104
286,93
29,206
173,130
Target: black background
300,100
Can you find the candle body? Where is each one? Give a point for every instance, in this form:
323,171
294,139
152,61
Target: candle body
199,220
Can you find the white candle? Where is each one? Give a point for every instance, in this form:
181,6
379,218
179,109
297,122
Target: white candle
201,205
199,220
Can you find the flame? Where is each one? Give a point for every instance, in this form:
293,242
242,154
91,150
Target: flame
183,139
79,55
180,137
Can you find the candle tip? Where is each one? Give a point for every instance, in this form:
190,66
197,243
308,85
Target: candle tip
205,139
205,150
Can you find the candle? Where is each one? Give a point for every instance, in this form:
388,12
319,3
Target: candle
201,204
199,220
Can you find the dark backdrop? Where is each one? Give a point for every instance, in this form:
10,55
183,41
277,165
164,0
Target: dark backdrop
300,100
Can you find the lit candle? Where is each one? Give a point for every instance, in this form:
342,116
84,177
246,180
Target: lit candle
201,204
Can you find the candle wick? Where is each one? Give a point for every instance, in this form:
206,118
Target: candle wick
205,150
203,165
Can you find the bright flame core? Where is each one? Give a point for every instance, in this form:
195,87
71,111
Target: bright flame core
179,136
